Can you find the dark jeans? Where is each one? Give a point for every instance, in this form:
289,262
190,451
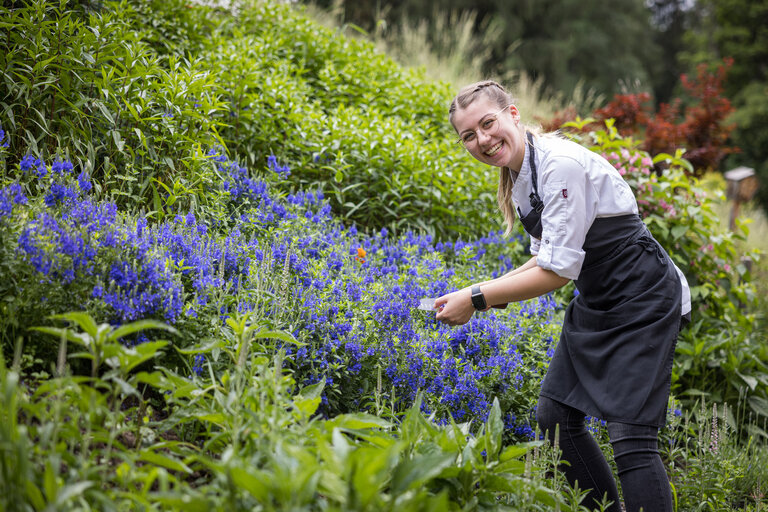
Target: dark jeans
635,450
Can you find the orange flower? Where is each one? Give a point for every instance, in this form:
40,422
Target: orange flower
360,255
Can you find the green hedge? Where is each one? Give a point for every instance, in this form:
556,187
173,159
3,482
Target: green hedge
135,92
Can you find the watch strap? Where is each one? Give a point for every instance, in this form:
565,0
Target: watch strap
478,299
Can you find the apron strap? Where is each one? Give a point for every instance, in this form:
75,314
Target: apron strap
536,202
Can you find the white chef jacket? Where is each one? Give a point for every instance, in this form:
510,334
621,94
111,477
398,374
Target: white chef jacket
577,186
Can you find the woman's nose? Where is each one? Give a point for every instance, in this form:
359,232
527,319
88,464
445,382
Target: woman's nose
482,137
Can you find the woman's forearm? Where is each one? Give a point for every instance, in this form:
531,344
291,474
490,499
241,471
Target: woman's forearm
456,308
526,284
522,268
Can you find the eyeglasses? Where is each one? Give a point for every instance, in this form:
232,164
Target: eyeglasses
489,126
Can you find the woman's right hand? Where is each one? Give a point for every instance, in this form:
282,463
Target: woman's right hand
455,308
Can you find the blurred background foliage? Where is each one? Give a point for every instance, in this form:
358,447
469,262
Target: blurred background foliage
588,50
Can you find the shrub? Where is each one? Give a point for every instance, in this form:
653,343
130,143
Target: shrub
698,125
130,104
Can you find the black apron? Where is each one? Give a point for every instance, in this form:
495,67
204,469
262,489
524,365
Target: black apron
614,358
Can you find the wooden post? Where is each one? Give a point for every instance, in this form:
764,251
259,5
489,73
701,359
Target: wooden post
742,185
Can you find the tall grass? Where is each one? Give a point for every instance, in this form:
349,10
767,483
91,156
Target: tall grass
452,47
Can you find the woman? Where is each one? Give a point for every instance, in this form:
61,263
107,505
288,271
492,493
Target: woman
614,358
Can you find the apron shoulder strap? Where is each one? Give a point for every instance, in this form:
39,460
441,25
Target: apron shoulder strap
536,202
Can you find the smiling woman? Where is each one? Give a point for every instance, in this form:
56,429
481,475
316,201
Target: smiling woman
615,353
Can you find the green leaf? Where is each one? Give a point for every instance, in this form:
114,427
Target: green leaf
79,338
154,379
206,347
514,466
118,139
417,471
253,483
358,421
164,461
748,379
144,352
307,406
518,450
83,320
125,388
679,231
759,405
71,491
494,427
188,502
140,325
34,495
309,398
280,335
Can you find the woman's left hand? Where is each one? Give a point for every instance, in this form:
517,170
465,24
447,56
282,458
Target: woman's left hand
455,308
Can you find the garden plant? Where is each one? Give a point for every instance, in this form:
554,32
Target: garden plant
215,230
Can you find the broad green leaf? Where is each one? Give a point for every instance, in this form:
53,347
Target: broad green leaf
748,379
307,406
159,459
417,471
679,231
71,491
494,427
189,501
154,379
514,466
254,483
79,338
206,347
280,335
140,325
144,352
358,420
84,320
34,495
126,388
759,405
313,390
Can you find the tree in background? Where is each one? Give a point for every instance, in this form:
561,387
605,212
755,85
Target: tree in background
568,44
738,29
623,47
670,20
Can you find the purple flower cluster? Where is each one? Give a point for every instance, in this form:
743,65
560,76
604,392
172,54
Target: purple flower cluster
10,196
282,171
31,163
350,298
357,315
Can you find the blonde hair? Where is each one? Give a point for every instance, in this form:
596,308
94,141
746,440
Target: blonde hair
501,97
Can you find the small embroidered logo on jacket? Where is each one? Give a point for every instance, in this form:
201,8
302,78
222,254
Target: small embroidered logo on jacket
565,193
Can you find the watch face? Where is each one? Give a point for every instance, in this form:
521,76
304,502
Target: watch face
478,299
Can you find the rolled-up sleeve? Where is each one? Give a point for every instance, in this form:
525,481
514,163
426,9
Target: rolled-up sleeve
568,213
535,244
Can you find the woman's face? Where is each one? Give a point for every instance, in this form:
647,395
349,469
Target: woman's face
491,136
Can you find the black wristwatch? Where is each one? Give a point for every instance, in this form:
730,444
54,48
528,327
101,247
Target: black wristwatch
478,299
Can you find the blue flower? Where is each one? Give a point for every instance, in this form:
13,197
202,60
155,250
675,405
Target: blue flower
29,163
61,167
84,181
59,194
198,364
283,172
9,196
